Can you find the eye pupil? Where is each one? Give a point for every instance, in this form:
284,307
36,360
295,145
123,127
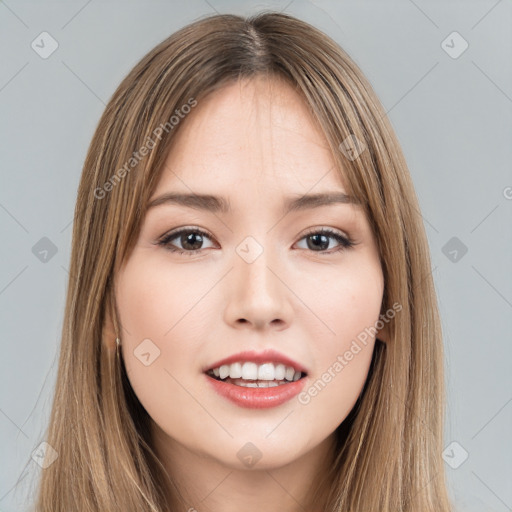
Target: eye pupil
189,239
321,241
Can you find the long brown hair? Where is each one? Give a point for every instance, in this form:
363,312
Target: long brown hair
388,457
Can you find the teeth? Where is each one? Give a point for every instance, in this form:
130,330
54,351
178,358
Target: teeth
224,371
250,371
266,372
290,372
280,371
270,384
253,372
235,371
258,384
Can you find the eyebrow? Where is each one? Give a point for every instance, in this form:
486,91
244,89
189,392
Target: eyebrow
218,204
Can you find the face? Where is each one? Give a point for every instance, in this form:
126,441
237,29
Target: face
303,282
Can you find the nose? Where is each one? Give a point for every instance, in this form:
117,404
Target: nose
258,296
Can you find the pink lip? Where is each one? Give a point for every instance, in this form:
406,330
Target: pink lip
257,398
267,356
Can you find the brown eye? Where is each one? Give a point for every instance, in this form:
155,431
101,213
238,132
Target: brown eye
191,241
319,240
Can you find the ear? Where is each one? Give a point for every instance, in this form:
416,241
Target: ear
109,333
383,334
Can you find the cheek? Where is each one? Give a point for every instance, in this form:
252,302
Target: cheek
345,302
333,392
150,312
153,301
159,312
350,307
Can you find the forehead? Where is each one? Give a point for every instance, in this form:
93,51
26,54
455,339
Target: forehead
256,131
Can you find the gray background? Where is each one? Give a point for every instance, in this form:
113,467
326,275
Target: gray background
453,117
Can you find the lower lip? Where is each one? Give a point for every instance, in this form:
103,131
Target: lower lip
257,398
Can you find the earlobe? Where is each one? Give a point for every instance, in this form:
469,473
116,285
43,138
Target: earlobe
383,334
109,333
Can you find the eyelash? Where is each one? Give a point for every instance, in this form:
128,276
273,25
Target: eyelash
345,242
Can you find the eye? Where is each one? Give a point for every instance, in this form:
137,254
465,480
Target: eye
319,239
191,240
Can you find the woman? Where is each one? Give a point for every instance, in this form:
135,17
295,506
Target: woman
251,320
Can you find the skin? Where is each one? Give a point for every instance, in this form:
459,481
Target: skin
255,143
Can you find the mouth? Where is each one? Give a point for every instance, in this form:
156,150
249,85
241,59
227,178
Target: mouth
257,380
252,375
256,393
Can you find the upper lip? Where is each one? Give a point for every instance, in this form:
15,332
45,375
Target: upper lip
267,356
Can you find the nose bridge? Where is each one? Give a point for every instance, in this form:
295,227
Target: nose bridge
255,259
256,293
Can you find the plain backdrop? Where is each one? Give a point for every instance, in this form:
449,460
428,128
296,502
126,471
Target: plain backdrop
443,71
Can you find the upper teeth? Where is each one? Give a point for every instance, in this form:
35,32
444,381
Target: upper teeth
253,371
